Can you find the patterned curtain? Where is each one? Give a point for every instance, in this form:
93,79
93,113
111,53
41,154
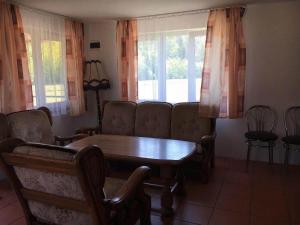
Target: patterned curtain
15,82
127,58
75,66
223,78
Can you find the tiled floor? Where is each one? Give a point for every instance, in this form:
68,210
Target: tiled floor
266,195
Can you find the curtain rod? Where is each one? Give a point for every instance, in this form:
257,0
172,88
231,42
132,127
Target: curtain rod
205,10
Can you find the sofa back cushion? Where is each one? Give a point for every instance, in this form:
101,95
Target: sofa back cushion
52,183
187,124
153,119
31,126
118,118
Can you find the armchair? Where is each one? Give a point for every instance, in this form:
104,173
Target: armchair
58,185
36,126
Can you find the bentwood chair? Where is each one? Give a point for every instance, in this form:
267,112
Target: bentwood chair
292,129
36,126
261,122
61,186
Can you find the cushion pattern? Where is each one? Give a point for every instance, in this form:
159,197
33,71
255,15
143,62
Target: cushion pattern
187,123
153,119
118,118
31,126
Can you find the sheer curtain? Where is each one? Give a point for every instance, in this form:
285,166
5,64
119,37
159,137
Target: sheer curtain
46,47
170,56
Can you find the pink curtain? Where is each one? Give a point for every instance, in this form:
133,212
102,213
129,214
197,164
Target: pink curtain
75,62
223,78
15,82
127,58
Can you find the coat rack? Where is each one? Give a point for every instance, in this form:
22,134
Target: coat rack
95,82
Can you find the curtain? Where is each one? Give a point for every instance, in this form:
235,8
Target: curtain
46,47
75,61
223,76
15,83
127,58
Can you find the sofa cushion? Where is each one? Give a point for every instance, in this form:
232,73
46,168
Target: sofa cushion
187,124
31,126
153,119
118,118
112,186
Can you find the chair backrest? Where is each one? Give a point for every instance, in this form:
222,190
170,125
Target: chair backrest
118,117
4,128
188,124
31,126
261,118
153,119
56,185
292,120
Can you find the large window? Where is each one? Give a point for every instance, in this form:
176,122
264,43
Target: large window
45,43
170,61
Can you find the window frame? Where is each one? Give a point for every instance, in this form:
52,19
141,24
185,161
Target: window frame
162,61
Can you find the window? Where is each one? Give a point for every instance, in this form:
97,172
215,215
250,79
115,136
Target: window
45,43
170,57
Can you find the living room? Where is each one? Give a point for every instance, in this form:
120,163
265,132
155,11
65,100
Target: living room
261,191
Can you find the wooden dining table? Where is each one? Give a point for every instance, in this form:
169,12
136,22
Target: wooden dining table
168,154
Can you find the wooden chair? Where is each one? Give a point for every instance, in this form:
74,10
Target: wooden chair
36,126
57,185
261,121
292,129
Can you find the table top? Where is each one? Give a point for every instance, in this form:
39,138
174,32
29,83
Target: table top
141,149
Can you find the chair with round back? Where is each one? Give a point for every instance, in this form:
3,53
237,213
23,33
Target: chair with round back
261,122
292,129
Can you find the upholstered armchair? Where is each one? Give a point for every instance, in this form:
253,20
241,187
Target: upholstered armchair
36,126
58,185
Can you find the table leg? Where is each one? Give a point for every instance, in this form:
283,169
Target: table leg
166,174
180,179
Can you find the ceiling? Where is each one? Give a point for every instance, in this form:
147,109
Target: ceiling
95,10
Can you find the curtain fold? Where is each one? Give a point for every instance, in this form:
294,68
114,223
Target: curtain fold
15,83
127,58
223,76
75,64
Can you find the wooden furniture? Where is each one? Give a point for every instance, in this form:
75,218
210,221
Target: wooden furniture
168,154
261,121
36,126
292,130
57,185
182,121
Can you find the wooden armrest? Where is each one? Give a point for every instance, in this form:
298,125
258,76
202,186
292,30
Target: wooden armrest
89,130
131,187
62,140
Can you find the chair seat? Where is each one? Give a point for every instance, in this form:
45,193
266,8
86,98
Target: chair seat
112,186
260,136
294,140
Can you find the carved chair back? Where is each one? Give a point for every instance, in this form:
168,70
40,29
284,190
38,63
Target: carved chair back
261,118
292,121
56,185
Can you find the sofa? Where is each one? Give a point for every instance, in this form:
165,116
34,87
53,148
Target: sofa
181,121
